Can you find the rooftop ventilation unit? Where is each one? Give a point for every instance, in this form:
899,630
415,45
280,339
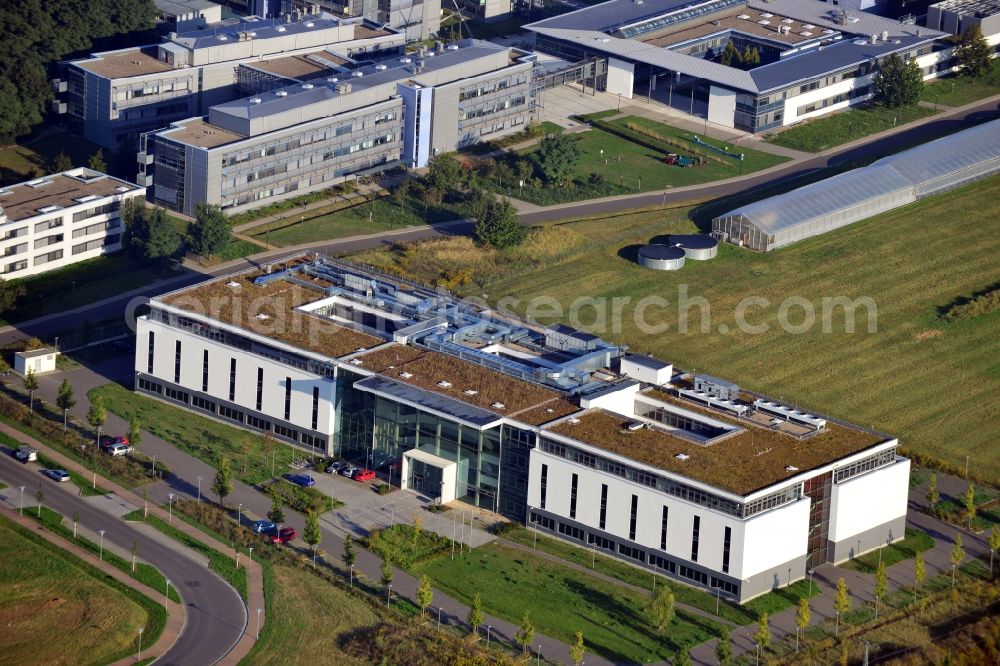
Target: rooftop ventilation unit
122,188
766,15
743,17
885,35
787,20
572,420
87,197
764,22
452,47
860,42
223,38
406,375
307,86
38,182
791,468
358,74
261,316
281,93
808,26
470,392
498,405
444,384
380,68
233,284
280,28
635,425
406,61
355,361
309,24
682,456
806,33
255,100
49,209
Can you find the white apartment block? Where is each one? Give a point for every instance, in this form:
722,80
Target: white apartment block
689,477
57,220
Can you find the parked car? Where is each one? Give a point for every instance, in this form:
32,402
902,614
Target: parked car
284,536
363,475
263,527
57,475
335,467
108,441
348,471
119,449
303,480
26,454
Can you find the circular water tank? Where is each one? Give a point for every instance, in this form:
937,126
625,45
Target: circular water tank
661,257
696,246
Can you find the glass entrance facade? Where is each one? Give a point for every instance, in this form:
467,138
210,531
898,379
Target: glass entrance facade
424,478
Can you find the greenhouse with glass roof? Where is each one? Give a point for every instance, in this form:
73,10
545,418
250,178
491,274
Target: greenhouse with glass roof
890,182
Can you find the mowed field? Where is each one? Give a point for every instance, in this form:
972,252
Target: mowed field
54,611
931,383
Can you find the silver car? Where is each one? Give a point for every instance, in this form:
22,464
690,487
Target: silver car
57,475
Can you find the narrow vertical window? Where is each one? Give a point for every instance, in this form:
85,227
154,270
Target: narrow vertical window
177,362
544,484
604,505
634,518
149,355
572,496
288,398
696,529
204,372
663,528
232,380
315,414
260,388
725,549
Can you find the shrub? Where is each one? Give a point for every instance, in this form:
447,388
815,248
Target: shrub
405,546
301,499
385,489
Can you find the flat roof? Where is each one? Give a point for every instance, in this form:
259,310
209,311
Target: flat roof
120,64
435,402
269,310
731,19
198,132
210,37
978,8
22,201
305,66
742,463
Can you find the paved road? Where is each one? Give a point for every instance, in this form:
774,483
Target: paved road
216,615
949,121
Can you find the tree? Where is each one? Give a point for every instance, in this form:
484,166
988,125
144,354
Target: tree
444,172
933,496
222,485
96,161
161,241
350,557
497,225
556,158
210,232
754,58
897,83
973,53
525,635
762,637
724,648
97,415
312,534
842,601
577,651
276,514
31,385
386,572
881,585
661,608
504,173
524,169
65,400
425,594
731,56
61,163
956,556
970,504
133,216
919,574
134,433
9,295
801,619
476,617
418,526
993,540
682,658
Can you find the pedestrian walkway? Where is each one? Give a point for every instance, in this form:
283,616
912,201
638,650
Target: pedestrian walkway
176,613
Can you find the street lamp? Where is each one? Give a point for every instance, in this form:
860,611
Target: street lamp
138,655
258,622
199,489
21,509
811,581
239,515
170,506
538,656
439,618
166,593
101,556
388,595
488,630
352,575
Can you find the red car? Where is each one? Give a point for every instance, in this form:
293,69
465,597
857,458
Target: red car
363,475
283,537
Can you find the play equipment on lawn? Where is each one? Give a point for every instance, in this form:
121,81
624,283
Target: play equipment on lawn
679,160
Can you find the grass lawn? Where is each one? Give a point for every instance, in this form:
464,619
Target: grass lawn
31,156
222,564
961,90
562,602
953,508
385,215
56,609
914,542
79,284
208,440
404,547
238,248
825,132
936,379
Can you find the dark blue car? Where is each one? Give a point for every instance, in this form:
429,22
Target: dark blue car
264,527
303,480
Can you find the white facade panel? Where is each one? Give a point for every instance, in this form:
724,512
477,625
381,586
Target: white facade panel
869,500
621,76
772,539
644,373
722,106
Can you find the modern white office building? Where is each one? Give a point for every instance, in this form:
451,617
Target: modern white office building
57,220
419,20
114,96
314,122
690,477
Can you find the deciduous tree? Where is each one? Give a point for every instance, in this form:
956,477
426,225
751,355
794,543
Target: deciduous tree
973,53
96,161
31,385
525,635
661,608
802,614
222,485
312,534
556,158
842,601
956,557
933,496
210,233
724,648
65,400
497,224
897,83
577,650
476,616
277,513
425,594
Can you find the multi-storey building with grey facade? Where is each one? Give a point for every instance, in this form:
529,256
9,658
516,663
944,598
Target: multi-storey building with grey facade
57,220
313,123
418,19
114,96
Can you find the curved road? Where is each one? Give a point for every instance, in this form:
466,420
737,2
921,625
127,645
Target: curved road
946,122
216,615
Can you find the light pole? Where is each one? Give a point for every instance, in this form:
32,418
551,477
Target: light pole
352,576
21,508
258,622
138,655
199,489
170,506
166,593
718,593
251,553
439,618
388,595
239,515
811,581
538,655
101,556
488,630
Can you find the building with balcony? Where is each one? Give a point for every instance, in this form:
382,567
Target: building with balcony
114,96
320,121
687,476
57,220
